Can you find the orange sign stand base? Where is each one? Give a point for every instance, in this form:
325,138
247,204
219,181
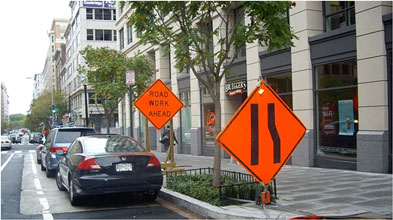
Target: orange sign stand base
265,197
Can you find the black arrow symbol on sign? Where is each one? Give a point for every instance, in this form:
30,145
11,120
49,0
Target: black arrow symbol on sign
271,115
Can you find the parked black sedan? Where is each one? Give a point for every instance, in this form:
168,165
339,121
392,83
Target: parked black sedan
105,164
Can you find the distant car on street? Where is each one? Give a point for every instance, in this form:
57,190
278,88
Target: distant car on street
59,139
5,143
105,164
14,138
36,137
38,152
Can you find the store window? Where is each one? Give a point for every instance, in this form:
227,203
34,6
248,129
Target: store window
282,84
240,50
185,116
142,125
337,109
338,14
208,119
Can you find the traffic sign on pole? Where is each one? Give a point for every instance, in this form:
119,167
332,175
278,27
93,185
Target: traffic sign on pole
262,134
158,104
130,78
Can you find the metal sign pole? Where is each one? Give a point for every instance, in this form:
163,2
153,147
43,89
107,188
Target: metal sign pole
131,122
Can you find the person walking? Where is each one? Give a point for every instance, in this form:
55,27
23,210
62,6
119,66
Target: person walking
165,138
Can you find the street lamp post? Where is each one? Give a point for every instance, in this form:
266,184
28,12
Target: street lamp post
86,107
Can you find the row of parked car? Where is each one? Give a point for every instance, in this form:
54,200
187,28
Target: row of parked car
85,163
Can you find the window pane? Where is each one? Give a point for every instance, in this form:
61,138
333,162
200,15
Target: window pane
121,37
108,35
335,22
99,14
351,16
114,15
90,35
129,34
185,114
114,35
107,14
282,85
336,74
337,122
333,7
89,13
99,34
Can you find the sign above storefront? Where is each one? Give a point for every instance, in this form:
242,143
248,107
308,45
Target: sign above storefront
236,87
262,134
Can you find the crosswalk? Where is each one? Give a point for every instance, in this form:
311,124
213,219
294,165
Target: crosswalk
19,151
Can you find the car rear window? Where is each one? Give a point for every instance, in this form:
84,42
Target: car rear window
112,145
68,136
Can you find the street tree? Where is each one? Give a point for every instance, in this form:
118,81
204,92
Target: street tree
187,29
40,112
17,121
4,126
105,71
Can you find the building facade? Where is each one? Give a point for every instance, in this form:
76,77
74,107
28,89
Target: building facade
56,38
92,23
335,80
4,104
38,85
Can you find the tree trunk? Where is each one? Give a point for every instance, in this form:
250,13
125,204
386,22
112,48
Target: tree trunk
217,148
108,120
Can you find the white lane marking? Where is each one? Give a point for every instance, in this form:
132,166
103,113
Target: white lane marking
4,152
32,151
44,203
18,151
47,216
5,164
45,213
33,164
37,184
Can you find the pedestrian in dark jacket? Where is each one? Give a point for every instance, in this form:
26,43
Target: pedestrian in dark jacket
166,136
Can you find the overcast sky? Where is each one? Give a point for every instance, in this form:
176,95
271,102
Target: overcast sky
24,44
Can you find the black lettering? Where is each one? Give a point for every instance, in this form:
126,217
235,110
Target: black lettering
254,135
271,117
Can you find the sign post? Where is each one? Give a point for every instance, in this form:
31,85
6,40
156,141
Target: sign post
130,81
262,134
159,104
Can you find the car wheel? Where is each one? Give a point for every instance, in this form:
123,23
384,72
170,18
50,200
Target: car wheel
74,198
59,182
50,173
42,167
151,195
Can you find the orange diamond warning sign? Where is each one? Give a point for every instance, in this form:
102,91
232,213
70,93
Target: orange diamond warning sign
262,134
158,104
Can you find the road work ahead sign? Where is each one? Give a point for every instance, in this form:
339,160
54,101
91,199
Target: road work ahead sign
158,104
262,134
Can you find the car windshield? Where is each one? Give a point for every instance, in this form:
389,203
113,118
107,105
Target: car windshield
67,136
112,145
4,138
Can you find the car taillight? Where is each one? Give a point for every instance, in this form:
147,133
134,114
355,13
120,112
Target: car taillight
41,147
7,142
54,149
88,164
153,162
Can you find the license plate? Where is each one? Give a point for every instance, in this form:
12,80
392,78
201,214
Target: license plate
121,167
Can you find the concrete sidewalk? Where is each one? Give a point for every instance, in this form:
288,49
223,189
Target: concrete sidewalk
301,191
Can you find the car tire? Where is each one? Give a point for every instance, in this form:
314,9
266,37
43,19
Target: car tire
42,167
75,200
151,195
49,173
59,182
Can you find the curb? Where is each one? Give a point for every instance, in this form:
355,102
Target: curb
197,206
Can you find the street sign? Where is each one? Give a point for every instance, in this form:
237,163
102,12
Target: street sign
158,104
262,134
130,78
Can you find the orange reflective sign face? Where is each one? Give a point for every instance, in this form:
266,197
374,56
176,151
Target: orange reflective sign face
158,104
262,134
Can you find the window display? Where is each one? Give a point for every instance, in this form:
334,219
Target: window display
337,106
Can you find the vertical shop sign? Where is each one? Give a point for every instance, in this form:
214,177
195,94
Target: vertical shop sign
346,117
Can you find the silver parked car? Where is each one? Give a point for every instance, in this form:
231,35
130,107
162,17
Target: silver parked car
5,143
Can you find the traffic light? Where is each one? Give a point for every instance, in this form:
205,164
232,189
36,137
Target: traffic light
53,109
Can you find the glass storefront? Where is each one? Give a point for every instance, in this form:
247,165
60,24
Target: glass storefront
142,124
282,84
337,109
208,120
185,117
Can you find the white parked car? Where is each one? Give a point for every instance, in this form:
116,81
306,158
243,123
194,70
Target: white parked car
5,143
